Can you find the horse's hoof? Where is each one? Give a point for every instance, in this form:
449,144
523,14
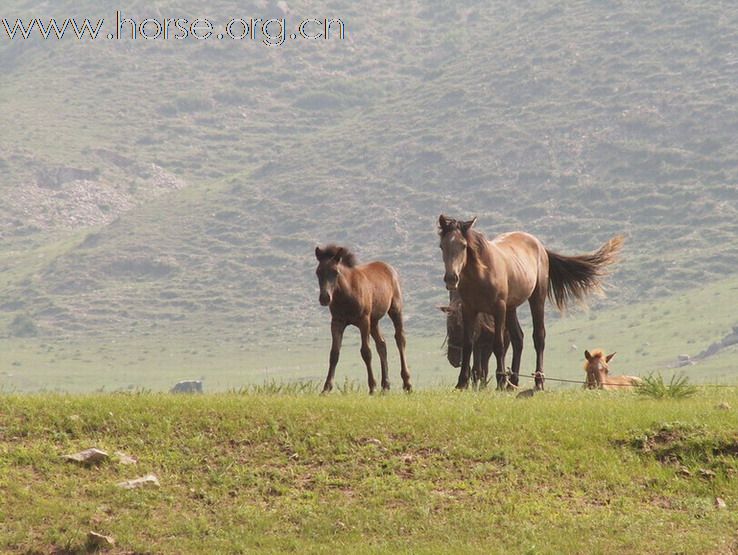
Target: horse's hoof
407,388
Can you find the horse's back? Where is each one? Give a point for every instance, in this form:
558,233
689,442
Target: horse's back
384,284
517,239
621,382
379,272
526,261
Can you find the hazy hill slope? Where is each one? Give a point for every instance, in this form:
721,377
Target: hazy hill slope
216,167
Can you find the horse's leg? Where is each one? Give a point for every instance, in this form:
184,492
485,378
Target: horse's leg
537,302
476,371
337,329
466,349
485,353
381,345
498,345
395,315
515,333
365,327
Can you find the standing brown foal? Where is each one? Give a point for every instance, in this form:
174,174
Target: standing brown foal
361,295
497,276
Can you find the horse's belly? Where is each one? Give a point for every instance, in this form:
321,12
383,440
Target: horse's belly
519,291
381,306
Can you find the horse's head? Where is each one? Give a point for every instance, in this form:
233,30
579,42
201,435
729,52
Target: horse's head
454,242
596,368
330,260
454,329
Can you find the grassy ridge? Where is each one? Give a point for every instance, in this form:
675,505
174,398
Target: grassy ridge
648,337
431,472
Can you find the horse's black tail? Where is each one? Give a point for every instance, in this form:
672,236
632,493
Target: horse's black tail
573,277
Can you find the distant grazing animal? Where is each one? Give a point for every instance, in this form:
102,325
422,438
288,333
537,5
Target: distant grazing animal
187,386
361,295
496,277
598,377
482,339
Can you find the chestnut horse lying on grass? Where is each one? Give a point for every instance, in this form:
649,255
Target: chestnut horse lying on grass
598,376
360,295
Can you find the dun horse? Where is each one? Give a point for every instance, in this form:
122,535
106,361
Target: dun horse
360,295
482,339
598,373
497,276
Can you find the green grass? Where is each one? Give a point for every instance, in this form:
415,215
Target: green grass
647,337
431,472
678,387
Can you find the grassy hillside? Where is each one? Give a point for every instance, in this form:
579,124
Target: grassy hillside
648,337
426,473
172,192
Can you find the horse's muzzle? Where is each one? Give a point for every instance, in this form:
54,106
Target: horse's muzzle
324,299
452,281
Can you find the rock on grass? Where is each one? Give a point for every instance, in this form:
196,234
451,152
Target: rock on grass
99,541
148,480
88,456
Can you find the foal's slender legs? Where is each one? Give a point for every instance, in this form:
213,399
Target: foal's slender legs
395,314
365,327
467,348
381,345
476,370
485,355
337,329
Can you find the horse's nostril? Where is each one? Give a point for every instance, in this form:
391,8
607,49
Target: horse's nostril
451,281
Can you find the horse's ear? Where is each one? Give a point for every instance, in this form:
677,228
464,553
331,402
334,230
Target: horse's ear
445,309
339,254
318,253
466,226
587,355
608,357
442,222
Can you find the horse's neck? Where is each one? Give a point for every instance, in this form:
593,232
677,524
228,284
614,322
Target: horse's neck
477,267
481,256
343,282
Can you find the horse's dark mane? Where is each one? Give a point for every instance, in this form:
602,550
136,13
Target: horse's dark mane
476,240
477,243
347,257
